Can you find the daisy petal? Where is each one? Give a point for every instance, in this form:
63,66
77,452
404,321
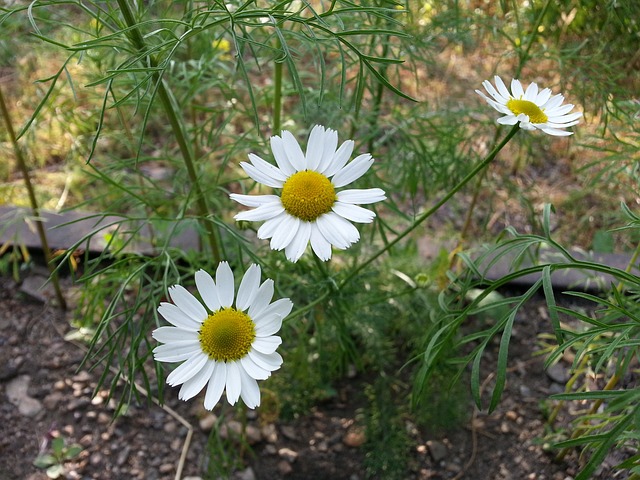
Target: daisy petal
217,381
262,299
194,385
280,154
224,282
263,212
338,160
176,352
294,250
234,385
248,287
281,307
187,303
173,334
285,233
361,196
249,391
353,212
267,345
315,147
353,170
267,169
294,152
187,370
207,289
260,176
320,245
254,200
253,369
268,362
177,317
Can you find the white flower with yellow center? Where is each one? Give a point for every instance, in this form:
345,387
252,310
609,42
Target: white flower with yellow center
229,347
309,209
533,108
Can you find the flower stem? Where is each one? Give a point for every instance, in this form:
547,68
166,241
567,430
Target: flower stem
22,165
176,126
478,168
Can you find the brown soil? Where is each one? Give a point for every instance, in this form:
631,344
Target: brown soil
145,442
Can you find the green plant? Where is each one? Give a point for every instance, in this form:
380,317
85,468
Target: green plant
53,462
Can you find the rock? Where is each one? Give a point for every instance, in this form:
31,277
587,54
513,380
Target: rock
166,468
284,467
288,454
18,396
170,427
82,377
52,400
355,437
558,373
437,450
207,422
269,433
253,435
289,432
246,474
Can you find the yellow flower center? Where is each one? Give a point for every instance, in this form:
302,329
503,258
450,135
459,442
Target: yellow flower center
227,334
530,109
307,195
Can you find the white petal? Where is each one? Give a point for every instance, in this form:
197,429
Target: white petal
208,290
254,200
294,152
508,120
353,212
248,287
262,213
553,102
260,176
315,147
361,196
176,352
268,325
224,282
516,89
320,245
280,154
177,317
556,133
174,334
281,307
266,345
262,299
353,170
502,88
298,244
253,369
187,303
334,164
268,362
194,385
249,391
188,369
266,168
269,228
234,384
497,96
531,93
329,151
217,381
337,230
285,233
543,97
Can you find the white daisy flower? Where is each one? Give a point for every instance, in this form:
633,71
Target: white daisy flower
229,347
309,209
532,108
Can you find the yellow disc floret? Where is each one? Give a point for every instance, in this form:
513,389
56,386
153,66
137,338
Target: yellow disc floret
227,334
307,195
530,109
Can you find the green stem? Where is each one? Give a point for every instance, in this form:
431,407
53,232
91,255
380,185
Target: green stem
22,164
478,168
277,98
176,126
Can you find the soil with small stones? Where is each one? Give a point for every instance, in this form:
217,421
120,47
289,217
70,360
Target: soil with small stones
45,394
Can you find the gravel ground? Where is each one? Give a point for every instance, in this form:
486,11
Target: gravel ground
45,395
